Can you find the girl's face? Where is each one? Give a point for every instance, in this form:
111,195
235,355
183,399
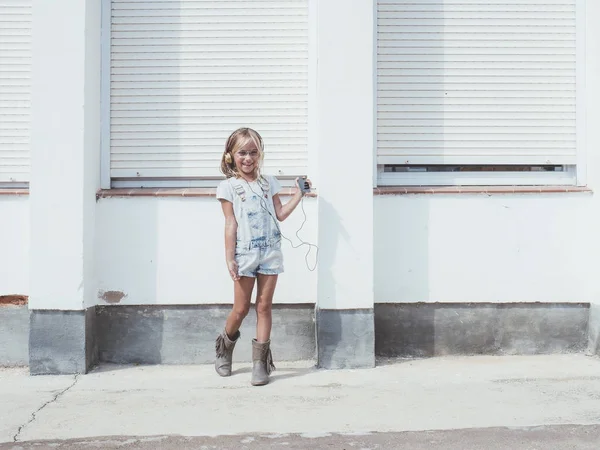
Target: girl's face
247,158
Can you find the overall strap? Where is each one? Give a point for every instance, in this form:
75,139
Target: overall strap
239,190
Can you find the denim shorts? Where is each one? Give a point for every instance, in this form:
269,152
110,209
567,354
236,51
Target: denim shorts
259,256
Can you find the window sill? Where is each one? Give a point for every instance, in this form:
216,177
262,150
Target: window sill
175,192
403,190
388,190
20,191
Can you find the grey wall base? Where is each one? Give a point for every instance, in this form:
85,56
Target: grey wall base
62,342
186,334
345,338
422,329
14,335
594,330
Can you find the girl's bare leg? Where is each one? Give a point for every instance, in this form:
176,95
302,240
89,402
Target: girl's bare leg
242,293
264,302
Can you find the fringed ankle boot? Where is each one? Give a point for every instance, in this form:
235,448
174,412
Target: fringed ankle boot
262,362
224,348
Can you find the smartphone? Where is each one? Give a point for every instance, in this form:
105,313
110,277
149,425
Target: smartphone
303,185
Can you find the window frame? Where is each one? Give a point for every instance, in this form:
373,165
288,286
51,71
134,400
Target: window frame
18,176
14,185
107,182
568,177
573,175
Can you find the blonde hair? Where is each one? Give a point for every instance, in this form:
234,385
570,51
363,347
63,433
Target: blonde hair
235,141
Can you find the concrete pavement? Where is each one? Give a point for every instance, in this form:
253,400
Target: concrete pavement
471,395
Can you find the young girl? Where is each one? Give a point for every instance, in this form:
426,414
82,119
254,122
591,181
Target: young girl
252,207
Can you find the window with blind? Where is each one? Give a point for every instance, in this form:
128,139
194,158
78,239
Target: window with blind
15,91
467,87
184,74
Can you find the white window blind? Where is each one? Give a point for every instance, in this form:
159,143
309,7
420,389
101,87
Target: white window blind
186,73
476,82
15,89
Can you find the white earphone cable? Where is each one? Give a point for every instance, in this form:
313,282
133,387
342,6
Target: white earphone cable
302,241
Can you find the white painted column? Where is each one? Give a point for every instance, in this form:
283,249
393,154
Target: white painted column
592,131
345,139
65,145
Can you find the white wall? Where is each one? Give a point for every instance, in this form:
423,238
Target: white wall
171,251
14,242
91,142
592,95
499,248
65,152
432,248
345,136
427,248
479,248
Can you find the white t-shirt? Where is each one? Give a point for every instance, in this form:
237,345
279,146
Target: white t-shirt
252,206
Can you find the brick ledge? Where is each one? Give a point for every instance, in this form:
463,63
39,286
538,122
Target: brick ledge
171,192
403,190
391,190
20,191
16,299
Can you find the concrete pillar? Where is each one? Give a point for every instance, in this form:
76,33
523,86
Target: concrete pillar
345,138
65,155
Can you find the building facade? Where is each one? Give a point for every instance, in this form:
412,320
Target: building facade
453,149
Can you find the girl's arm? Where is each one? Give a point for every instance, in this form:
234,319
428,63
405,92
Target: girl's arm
283,211
230,239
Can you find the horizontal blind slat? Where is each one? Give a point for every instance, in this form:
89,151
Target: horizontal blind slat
15,89
185,74
473,80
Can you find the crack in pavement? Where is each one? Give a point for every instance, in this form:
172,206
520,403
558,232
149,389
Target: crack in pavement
33,414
